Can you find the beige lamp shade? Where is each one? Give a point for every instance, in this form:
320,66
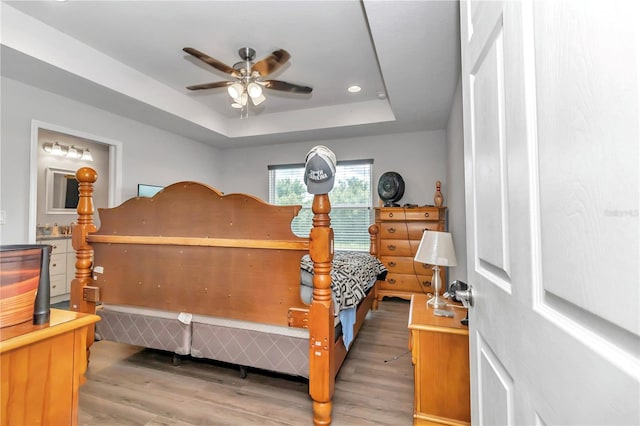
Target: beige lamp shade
436,248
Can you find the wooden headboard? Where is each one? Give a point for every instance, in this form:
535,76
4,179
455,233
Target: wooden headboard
192,249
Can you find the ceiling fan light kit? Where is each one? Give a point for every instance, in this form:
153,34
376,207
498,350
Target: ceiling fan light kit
249,77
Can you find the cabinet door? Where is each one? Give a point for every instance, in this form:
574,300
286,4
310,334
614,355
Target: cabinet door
58,264
57,285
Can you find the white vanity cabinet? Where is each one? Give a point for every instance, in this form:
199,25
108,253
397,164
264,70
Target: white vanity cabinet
61,267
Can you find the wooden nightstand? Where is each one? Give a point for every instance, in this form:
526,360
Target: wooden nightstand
42,368
440,355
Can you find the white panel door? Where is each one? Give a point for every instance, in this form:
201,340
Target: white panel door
551,123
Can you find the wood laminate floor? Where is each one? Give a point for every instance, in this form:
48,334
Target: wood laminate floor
128,385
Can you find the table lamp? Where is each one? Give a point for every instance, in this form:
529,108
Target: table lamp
436,248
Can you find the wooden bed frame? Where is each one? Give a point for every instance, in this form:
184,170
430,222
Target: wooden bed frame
207,244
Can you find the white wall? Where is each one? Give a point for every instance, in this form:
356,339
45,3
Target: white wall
420,158
454,188
149,155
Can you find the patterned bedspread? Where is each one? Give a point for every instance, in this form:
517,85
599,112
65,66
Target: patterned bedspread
351,273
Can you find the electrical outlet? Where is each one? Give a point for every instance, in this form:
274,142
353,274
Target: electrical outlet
3,217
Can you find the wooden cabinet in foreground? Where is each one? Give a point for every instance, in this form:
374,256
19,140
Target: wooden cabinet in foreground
42,368
440,354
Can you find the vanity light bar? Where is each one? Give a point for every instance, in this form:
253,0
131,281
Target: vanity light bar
60,150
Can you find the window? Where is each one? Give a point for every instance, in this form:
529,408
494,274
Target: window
351,201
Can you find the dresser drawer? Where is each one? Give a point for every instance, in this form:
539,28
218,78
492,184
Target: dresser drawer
398,248
424,213
405,265
407,282
391,213
407,230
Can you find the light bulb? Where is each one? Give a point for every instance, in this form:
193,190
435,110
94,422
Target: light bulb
258,100
72,152
235,90
86,155
56,149
254,90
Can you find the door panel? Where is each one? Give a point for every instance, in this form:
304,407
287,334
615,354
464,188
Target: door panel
550,98
598,127
496,385
487,94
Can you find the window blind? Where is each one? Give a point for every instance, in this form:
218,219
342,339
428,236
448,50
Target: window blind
351,201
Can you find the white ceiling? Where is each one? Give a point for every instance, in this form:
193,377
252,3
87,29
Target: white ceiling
126,57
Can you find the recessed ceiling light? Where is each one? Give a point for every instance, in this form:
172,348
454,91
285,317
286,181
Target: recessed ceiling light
354,89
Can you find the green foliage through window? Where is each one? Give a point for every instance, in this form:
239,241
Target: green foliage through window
351,200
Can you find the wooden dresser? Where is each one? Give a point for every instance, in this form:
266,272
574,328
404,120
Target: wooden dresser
440,355
42,367
400,232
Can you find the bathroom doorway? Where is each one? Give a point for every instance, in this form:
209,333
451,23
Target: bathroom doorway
56,154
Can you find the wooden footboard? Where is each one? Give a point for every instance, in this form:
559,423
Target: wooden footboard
192,249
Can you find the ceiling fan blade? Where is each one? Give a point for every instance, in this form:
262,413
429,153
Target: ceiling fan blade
286,87
271,63
213,62
210,85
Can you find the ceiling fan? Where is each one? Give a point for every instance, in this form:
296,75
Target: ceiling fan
249,76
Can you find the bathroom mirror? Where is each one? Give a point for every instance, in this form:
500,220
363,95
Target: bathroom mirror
62,191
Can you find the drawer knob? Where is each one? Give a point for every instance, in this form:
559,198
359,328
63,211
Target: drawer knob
391,281
392,230
392,264
426,283
426,214
390,214
391,247
54,265
54,286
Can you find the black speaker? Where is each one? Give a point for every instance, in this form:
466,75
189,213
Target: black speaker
41,309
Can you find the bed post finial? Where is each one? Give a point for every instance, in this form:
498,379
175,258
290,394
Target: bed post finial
321,331
86,177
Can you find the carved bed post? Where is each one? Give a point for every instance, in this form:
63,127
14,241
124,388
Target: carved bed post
373,251
321,331
86,177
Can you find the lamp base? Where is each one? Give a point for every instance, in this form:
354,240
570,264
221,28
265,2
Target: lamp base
436,301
